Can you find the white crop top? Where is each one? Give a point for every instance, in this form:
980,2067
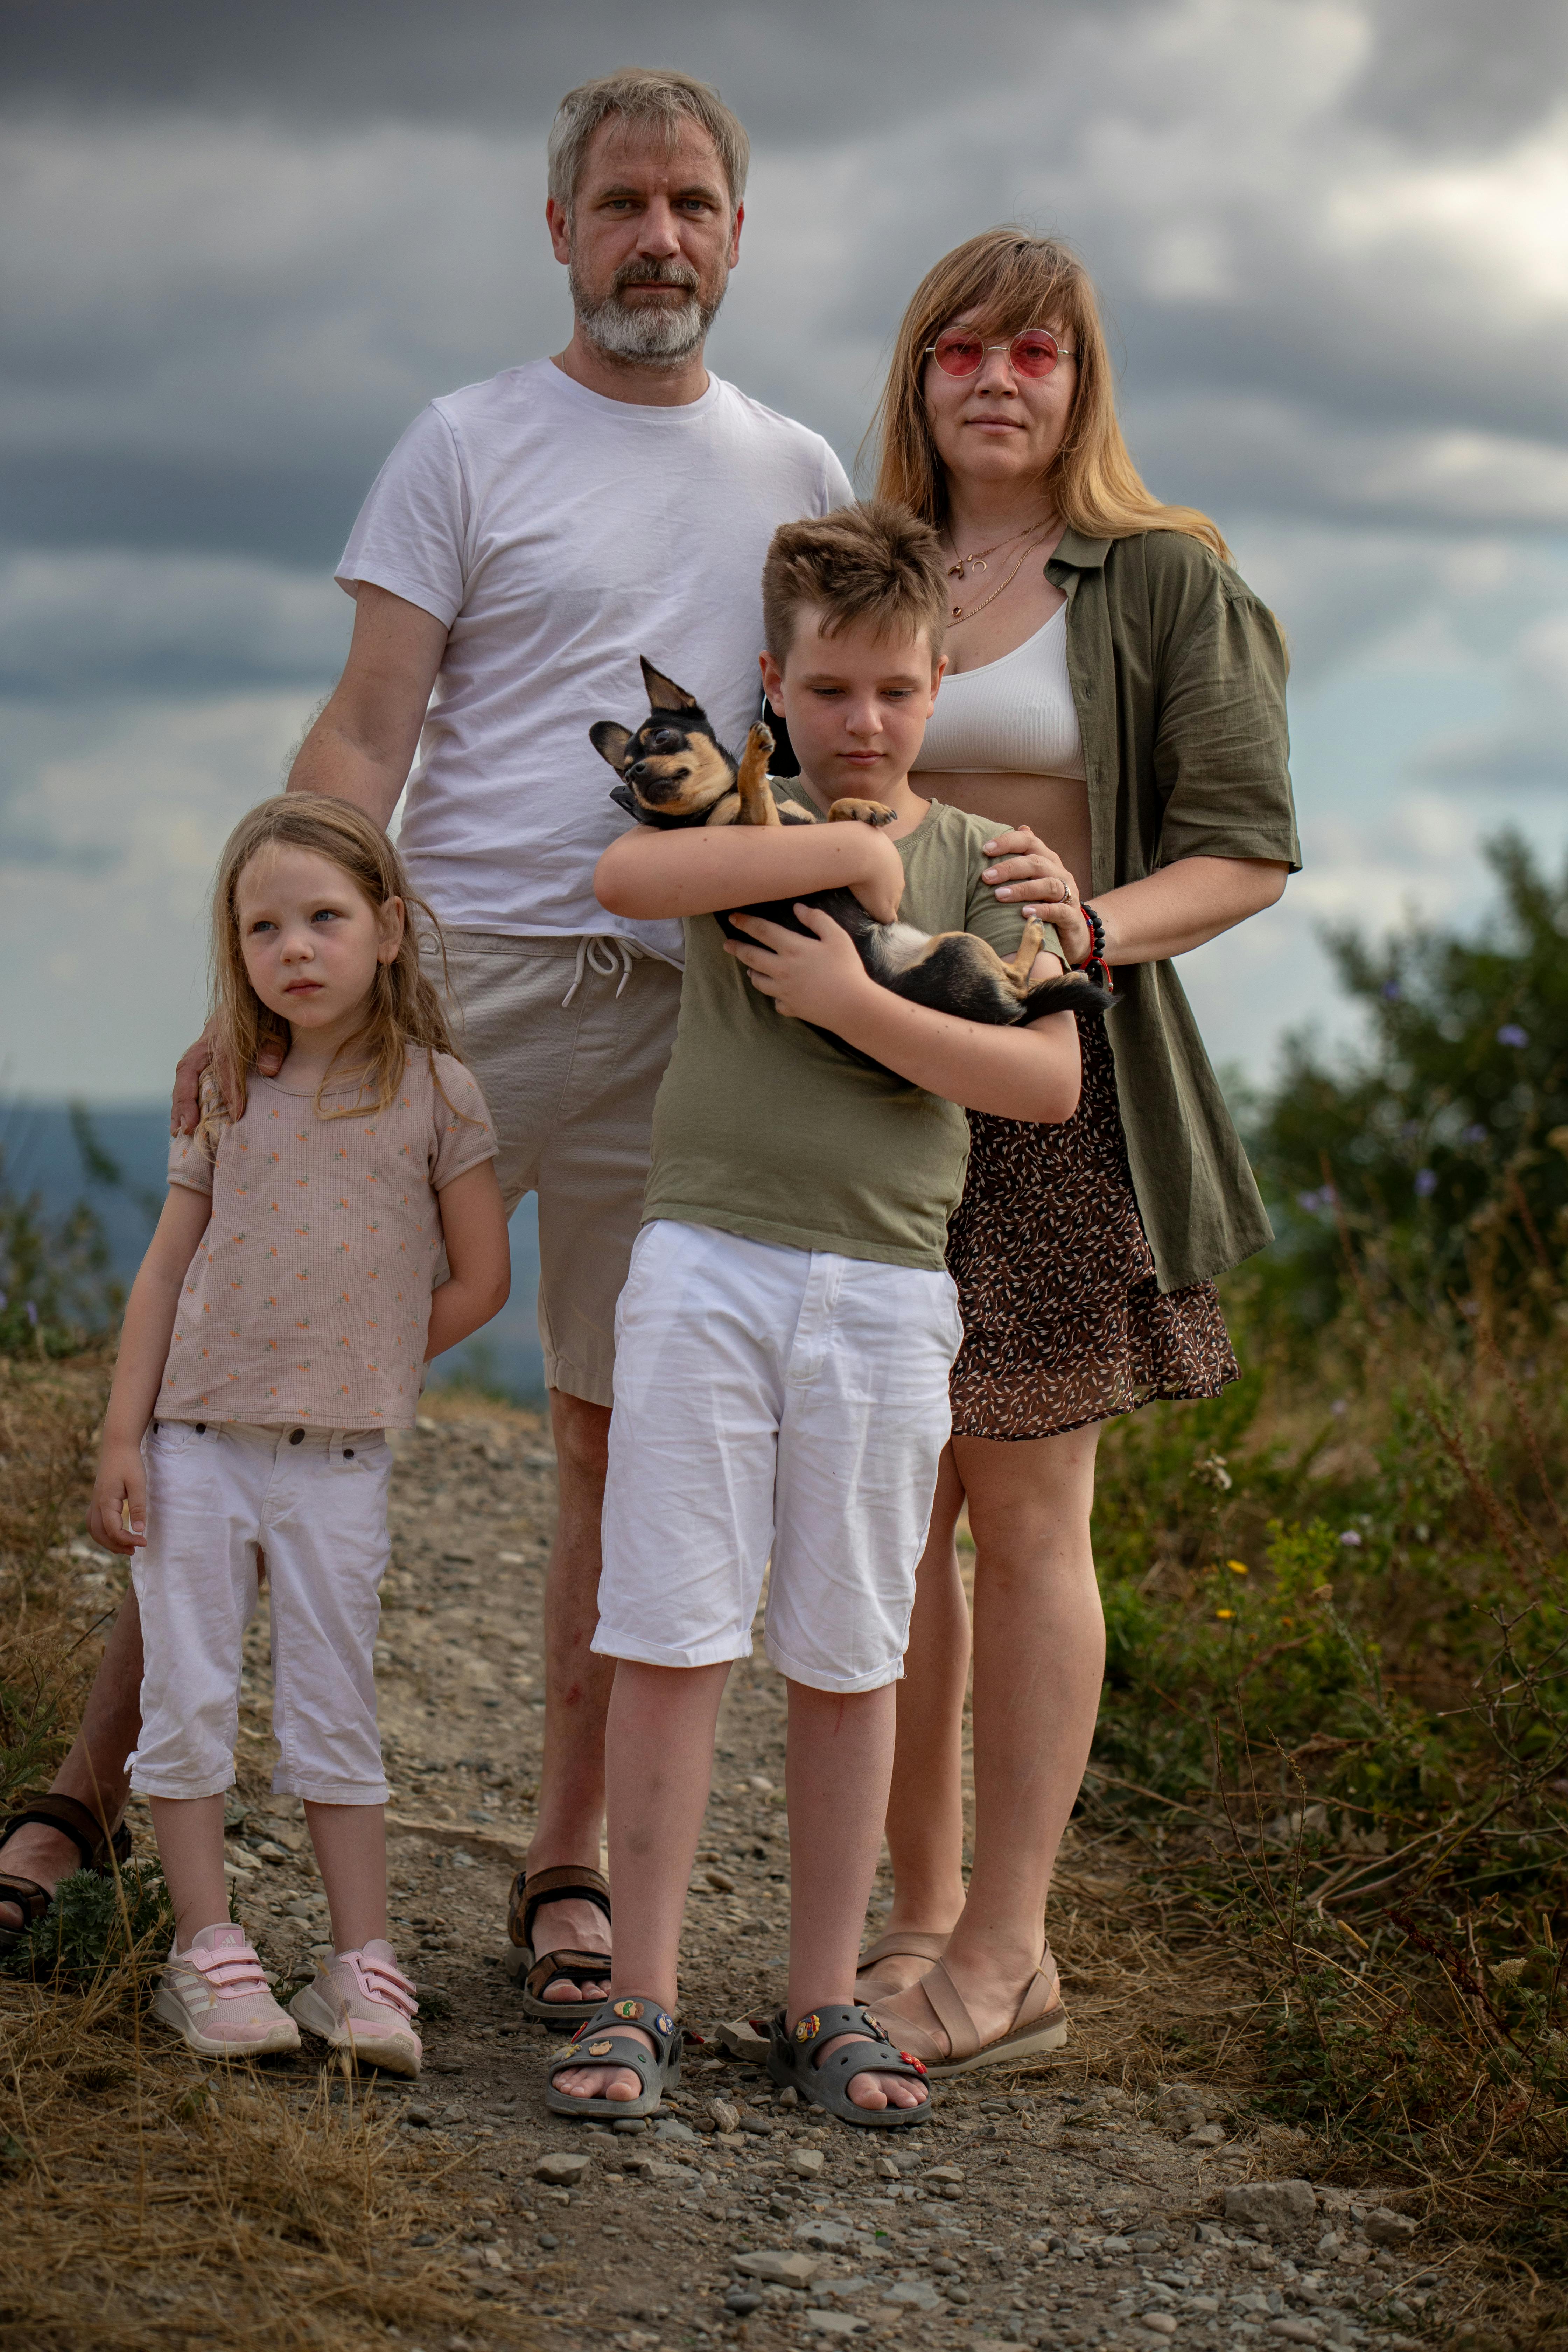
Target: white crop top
1015,716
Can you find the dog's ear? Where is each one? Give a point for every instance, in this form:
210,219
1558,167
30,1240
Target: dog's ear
663,693
610,742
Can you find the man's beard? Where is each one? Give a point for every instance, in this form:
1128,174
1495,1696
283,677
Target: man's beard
656,334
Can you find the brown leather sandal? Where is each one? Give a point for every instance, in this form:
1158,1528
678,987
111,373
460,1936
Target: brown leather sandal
100,1851
1039,2024
902,1944
540,1970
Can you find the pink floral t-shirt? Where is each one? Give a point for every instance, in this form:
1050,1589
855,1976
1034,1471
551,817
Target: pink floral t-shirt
308,1300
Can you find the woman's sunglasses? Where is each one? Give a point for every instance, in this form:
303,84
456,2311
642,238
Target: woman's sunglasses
1035,352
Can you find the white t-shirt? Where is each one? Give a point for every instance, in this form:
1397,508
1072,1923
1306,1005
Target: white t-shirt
559,535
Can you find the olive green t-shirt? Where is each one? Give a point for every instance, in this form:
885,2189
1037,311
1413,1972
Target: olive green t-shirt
762,1127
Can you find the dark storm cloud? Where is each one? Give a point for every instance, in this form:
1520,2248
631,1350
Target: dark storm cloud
810,69
1452,72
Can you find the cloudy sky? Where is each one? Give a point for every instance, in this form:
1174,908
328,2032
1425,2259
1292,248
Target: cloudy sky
246,239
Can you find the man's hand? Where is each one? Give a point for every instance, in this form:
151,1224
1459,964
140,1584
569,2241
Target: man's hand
185,1111
121,1479
811,979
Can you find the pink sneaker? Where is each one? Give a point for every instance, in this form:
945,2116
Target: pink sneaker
362,2002
215,1994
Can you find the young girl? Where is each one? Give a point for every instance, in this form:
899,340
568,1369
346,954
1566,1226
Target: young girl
278,1329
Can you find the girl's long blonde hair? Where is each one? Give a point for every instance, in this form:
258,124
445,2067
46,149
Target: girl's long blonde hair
1006,279
403,1009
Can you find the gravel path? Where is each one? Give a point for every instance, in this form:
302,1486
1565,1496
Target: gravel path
1078,2202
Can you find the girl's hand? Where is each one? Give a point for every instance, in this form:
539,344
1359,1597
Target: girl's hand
121,1479
1032,877
808,979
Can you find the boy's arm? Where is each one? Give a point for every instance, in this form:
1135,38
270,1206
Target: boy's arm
144,1339
648,874
473,1226
1029,1074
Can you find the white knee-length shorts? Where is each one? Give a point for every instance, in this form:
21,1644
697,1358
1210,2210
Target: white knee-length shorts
770,1400
313,1500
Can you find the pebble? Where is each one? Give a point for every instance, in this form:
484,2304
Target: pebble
416,2113
726,2117
1208,2134
1387,2229
948,2173
1160,2321
1295,2331
672,2127
547,2242
806,2160
919,2293
779,2270
835,2322
562,2171
818,2233
1272,2204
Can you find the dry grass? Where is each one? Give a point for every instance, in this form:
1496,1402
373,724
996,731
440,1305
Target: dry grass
152,2199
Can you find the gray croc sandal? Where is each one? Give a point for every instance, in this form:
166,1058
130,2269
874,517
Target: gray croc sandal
596,2042
793,2065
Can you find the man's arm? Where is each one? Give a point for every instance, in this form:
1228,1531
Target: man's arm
362,745
360,749
649,875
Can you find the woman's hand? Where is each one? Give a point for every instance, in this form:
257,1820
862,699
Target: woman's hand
185,1111
121,1479
808,979
1025,873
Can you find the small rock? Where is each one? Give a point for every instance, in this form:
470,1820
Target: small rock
1272,2204
423,2238
720,1883
809,2160
1297,2331
1207,2135
630,2124
1328,2245
726,2118
759,2126
417,2114
886,2167
948,2172
779,2270
819,2232
789,2097
672,2127
1387,2229
835,2322
919,2293
562,2171
763,1787
1160,2321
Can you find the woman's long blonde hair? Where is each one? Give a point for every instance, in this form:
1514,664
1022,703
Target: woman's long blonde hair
1005,279
403,1009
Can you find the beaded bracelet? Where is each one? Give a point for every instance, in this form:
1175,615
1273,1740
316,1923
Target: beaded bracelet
1096,955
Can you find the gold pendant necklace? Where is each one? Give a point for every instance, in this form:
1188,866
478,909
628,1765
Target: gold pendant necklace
967,611
967,563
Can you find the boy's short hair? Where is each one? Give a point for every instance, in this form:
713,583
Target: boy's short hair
875,561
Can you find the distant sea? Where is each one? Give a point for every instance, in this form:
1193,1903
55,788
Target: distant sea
40,1153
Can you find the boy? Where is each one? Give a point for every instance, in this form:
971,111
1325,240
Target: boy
787,1326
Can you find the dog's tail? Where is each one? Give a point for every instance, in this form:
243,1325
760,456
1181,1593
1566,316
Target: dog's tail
1066,991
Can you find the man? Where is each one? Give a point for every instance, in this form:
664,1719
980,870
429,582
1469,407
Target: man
526,541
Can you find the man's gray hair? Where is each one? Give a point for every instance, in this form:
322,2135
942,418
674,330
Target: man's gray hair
660,101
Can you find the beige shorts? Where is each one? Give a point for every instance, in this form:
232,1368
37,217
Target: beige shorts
570,1087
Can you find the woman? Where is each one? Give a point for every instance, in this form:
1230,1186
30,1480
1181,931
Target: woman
1115,690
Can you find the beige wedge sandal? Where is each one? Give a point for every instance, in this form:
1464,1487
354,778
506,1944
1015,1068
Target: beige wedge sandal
1039,2024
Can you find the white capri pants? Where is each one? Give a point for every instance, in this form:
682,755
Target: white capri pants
771,1400
313,1500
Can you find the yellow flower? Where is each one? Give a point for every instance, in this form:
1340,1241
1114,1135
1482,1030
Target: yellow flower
1238,1567
1225,1613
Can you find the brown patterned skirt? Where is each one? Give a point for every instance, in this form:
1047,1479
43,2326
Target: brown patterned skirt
1063,1319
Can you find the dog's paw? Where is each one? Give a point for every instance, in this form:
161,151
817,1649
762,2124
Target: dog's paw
860,813
760,741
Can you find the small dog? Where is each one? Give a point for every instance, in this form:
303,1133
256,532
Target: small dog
675,772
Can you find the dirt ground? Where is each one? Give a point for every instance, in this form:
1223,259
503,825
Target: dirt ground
1078,2202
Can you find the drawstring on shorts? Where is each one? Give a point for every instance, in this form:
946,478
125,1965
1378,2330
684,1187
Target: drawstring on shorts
618,955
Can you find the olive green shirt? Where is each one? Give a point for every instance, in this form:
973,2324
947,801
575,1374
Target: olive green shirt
762,1127
1178,677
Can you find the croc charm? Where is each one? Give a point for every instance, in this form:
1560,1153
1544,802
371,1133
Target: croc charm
663,2024
631,2010
807,2027
600,2048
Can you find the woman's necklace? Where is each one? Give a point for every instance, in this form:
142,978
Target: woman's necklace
966,612
967,563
